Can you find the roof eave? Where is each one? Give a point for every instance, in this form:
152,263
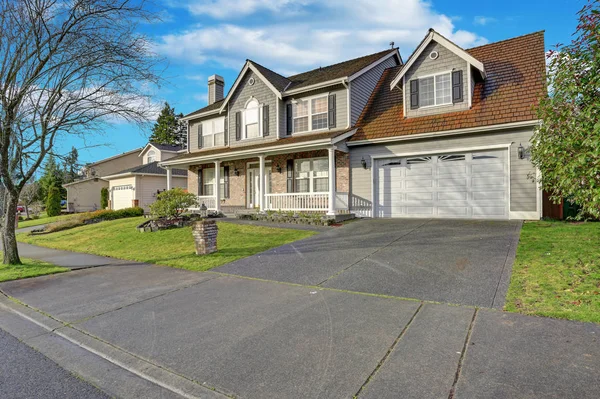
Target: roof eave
391,54
316,86
201,114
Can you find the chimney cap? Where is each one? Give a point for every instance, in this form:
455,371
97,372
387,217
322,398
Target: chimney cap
216,78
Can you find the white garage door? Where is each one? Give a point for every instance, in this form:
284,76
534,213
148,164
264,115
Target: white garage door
458,185
122,196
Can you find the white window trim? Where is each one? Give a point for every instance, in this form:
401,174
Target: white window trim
213,132
153,156
212,183
310,114
260,117
311,176
434,75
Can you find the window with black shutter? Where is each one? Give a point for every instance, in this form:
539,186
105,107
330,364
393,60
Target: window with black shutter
238,126
414,94
290,175
289,116
199,181
226,181
457,86
265,125
332,111
200,135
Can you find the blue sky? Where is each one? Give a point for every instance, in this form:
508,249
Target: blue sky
199,38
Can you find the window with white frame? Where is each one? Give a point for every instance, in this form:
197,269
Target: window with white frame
310,114
213,132
251,119
151,156
208,182
311,175
435,90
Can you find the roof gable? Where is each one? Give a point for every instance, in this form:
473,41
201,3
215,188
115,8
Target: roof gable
434,36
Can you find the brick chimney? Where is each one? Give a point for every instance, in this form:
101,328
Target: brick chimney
215,88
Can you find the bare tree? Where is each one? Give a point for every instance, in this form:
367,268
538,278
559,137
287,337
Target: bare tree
67,67
29,194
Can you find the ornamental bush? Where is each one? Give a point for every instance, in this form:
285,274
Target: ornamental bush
104,198
172,203
53,201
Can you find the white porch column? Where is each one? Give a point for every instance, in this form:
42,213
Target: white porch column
169,178
262,188
331,153
217,187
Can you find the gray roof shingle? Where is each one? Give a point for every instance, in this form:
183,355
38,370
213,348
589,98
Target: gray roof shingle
151,168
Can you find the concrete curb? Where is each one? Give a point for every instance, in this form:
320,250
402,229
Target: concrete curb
150,372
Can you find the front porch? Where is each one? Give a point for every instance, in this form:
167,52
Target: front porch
303,181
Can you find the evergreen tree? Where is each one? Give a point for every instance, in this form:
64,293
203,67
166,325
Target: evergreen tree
53,201
169,128
52,176
71,166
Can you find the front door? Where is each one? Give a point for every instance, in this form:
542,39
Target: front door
253,183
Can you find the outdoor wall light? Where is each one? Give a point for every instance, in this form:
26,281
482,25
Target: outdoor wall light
363,162
521,151
278,168
236,172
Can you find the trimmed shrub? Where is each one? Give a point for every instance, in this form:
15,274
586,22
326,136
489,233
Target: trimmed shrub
172,203
53,201
104,198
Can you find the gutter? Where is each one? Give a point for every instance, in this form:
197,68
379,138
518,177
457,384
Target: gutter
443,133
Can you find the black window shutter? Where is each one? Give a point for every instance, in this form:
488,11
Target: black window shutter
200,135
332,110
457,87
200,181
265,120
226,131
414,94
226,180
290,119
290,175
238,126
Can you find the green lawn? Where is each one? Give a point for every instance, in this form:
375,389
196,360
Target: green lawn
557,271
29,268
42,220
120,239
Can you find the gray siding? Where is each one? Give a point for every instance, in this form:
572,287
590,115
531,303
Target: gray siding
193,126
341,105
423,66
362,87
264,95
523,189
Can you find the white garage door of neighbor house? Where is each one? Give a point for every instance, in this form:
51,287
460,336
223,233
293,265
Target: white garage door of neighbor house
122,196
457,185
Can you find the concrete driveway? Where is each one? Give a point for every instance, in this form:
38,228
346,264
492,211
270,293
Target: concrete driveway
452,261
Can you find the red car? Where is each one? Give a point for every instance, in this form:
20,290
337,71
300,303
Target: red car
20,208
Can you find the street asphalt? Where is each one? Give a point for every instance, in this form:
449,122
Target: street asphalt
26,373
250,338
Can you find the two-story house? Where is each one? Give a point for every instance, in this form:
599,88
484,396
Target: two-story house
278,142
445,134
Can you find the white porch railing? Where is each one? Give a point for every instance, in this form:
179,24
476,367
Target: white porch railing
304,201
208,200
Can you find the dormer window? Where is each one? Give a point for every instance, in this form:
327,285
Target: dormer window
435,90
151,156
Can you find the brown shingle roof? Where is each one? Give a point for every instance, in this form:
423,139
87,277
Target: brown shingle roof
515,81
280,82
211,107
334,71
268,145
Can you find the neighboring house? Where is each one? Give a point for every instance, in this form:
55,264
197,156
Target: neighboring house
445,135
140,184
83,195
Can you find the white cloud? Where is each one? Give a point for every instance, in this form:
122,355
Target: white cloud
482,21
320,33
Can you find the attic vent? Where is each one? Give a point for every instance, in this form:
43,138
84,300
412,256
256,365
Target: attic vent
250,81
433,55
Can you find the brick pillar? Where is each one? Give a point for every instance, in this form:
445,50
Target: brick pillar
205,235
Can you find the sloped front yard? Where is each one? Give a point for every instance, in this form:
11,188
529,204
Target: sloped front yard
120,239
557,271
